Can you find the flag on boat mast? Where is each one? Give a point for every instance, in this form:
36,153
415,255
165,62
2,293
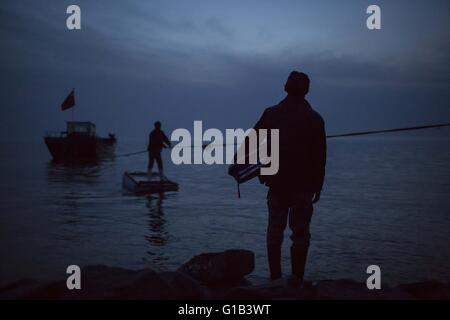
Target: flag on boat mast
69,102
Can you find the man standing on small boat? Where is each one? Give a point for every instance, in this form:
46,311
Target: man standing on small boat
156,142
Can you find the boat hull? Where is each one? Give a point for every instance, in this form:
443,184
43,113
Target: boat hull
79,148
139,183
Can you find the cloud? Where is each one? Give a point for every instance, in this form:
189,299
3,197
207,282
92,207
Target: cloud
155,63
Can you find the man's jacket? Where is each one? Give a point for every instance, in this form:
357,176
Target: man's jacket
157,141
302,145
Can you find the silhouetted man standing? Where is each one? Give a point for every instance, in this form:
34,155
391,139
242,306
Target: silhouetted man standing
298,182
156,142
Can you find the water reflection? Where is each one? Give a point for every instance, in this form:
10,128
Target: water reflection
158,235
56,215
73,173
69,186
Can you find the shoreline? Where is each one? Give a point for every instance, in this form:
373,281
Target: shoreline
210,276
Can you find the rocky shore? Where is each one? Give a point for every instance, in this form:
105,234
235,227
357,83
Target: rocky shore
210,276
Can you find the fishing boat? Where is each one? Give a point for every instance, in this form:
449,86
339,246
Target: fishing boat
142,183
79,142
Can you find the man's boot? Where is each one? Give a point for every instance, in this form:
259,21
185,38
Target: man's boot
274,255
162,177
298,261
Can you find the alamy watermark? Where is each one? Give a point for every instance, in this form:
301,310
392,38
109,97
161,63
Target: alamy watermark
220,150
74,279
374,280
373,22
73,21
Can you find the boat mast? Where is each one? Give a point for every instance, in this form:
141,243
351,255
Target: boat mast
73,112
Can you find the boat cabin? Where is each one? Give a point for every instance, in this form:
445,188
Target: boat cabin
81,128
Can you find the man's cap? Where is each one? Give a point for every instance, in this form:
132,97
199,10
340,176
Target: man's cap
297,83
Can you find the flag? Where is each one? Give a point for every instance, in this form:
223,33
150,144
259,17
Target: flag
69,102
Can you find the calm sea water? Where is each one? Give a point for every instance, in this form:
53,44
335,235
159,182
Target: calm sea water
386,201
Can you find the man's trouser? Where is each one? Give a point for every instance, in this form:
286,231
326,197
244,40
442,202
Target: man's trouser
152,156
297,207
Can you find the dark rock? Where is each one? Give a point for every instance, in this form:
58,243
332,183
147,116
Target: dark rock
221,291
305,292
18,289
183,286
220,268
243,293
270,290
97,282
222,276
396,294
144,285
427,290
102,282
344,289
51,291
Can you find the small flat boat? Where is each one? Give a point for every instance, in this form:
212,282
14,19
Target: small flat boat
142,183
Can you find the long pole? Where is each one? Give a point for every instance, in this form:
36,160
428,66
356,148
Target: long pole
350,134
362,133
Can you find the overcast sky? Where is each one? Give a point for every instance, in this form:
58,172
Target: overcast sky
222,62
